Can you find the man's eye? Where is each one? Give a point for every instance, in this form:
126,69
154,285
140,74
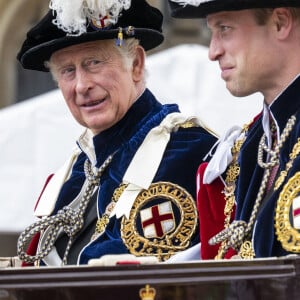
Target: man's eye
224,28
67,70
66,73
93,62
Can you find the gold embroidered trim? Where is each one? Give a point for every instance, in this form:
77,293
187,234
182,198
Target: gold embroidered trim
295,152
287,234
188,124
247,251
104,220
232,174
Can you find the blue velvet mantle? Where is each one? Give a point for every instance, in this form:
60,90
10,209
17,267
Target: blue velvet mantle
183,154
250,178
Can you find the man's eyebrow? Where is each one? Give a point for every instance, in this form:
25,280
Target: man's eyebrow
217,23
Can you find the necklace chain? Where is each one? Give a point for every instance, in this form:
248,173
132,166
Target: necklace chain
273,158
68,219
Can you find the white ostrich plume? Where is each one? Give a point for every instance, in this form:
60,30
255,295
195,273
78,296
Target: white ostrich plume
71,15
190,2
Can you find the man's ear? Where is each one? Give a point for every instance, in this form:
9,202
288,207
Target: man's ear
138,64
283,20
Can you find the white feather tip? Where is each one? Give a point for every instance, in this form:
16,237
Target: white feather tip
72,15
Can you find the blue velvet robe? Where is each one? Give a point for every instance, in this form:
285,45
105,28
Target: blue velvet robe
265,240
183,154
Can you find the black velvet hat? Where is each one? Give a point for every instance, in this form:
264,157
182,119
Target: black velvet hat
140,21
188,9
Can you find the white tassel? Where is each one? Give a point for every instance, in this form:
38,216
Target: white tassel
190,2
71,14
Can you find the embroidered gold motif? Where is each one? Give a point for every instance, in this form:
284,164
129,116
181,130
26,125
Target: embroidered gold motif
247,251
280,180
104,220
232,174
171,241
295,152
188,124
191,123
101,224
287,234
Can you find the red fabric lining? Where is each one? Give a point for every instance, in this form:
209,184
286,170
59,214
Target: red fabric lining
211,203
44,187
32,247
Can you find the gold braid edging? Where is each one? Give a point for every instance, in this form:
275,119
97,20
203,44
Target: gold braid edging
287,234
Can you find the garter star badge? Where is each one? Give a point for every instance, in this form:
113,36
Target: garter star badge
101,23
287,217
161,222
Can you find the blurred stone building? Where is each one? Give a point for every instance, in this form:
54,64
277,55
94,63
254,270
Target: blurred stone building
17,16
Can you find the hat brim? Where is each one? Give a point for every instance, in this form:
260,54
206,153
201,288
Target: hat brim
36,57
214,6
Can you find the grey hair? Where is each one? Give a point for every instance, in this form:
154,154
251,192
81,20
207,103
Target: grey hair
127,51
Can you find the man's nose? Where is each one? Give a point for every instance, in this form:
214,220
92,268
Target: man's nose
215,49
84,81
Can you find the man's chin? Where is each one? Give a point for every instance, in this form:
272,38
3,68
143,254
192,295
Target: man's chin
237,91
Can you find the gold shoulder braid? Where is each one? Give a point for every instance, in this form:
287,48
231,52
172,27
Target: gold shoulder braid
188,124
154,213
191,123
